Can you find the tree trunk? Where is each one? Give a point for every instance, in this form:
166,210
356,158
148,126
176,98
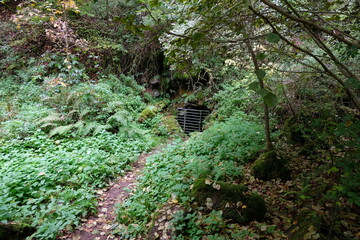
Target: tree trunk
269,145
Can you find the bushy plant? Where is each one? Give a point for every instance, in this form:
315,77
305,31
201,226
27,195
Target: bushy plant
88,108
234,95
238,139
23,123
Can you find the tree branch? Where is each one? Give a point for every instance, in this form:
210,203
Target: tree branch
285,13
350,92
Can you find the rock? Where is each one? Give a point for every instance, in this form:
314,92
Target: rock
147,113
270,166
171,125
231,199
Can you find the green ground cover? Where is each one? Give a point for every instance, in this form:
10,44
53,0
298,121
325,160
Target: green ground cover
216,154
50,184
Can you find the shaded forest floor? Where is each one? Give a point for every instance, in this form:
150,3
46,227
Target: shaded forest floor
293,206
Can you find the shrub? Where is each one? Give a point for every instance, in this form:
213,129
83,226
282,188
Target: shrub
90,108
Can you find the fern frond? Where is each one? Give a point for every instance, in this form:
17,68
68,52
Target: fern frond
122,117
49,124
62,130
54,117
114,105
71,97
117,118
89,127
71,114
80,126
83,113
100,128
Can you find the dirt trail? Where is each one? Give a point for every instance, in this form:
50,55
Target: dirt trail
99,226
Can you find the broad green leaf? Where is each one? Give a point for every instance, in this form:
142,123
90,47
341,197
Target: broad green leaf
261,56
154,3
254,86
352,51
353,83
273,38
198,36
260,73
263,92
270,99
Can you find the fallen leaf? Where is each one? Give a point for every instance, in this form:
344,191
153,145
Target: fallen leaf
106,227
208,182
216,186
239,204
209,203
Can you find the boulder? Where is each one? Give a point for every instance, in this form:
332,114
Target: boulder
234,201
269,166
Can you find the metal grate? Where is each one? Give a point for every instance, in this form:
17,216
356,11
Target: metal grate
191,120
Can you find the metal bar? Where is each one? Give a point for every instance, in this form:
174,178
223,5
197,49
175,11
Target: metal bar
191,120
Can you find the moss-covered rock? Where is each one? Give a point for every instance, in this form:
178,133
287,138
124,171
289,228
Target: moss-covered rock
171,125
270,166
162,104
232,199
15,231
147,113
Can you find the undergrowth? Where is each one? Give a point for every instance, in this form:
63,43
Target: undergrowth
59,143
216,154
50,184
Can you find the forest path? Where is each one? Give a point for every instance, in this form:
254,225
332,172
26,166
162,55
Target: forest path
100,225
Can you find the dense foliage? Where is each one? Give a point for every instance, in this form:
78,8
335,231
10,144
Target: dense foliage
87,86
168,177
50,184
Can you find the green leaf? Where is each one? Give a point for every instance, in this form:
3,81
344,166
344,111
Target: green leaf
273,38
353,83
261,56
254,86
263,92
270,99
260,73
198,36
154,3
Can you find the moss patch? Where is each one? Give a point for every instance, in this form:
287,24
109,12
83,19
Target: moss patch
232,199
270,166
171,125
147,113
